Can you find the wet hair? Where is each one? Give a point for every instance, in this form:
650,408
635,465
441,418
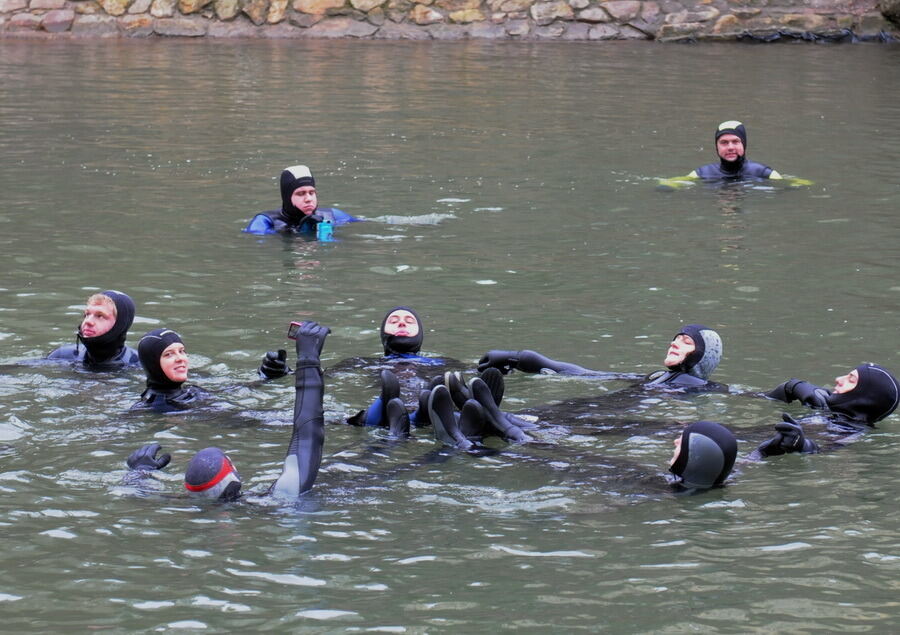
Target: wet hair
708,451
150,349
707,353
397,344
102,298
211,474
874,397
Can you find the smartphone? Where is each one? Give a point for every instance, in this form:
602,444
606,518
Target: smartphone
293,327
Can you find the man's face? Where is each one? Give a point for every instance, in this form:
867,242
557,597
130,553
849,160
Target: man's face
730,147
99,317
401,323
304,198
174,362
682,346
846,383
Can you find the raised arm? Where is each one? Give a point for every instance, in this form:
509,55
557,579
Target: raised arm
301,465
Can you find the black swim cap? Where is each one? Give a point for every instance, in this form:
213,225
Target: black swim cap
874,397
707,351
292,178
150,348
394,344
708,451
107,345
211,474
735,128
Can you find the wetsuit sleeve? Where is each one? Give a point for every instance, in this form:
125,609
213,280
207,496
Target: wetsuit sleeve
534,362
341,217
796,389
260,224
301,465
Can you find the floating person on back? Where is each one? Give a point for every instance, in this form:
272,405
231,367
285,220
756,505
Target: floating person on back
100,338
300,211
860,399
693,355
211,473
403,369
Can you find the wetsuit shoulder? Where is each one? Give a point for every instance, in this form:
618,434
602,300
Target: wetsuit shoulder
67,353
262,223
757,170
709,171
170,401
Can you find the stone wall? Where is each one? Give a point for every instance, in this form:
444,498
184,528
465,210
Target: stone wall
664,20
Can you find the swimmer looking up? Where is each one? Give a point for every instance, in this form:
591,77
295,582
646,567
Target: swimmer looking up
693,355
100,338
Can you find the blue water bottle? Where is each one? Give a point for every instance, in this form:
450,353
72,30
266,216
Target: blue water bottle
325,231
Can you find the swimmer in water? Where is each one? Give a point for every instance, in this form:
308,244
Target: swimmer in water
212,474
300,211
403,369
859,399
704,454
100,338
692,356
731,148
166,363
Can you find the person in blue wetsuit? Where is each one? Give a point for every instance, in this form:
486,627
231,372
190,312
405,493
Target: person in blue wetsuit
693,355
859,400
212,474
300,211
100,338
731,148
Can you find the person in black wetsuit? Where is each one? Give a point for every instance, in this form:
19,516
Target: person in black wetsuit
704,455
100,338
300,211
211,473
693,355
403,365
731,148
163,357
860,399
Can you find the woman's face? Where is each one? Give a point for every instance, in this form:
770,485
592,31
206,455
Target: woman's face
682,346
401,323
846,383
174,362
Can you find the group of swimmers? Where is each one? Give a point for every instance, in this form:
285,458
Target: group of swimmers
463,409
418,390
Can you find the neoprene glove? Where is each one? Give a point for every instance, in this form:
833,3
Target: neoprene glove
504,361
274,364
310,340
808,394
144,458
788,438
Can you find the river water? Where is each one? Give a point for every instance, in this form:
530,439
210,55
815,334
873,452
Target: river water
510,191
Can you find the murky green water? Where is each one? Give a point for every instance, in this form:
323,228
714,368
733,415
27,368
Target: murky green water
511,189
